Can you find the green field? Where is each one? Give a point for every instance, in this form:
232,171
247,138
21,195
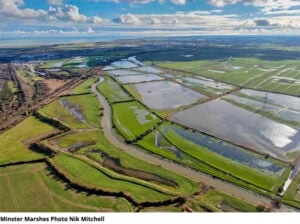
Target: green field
184,186
212,163
132,119
247,72
292,195
87,104
216,201
112,91
12,148
84,87
96,176
32,188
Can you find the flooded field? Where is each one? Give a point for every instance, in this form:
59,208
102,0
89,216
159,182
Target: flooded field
138,78
148,69
226,150
281,106
166,95
124,64
241,126
123,72
209,85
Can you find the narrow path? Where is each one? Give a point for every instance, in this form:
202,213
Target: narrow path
226,187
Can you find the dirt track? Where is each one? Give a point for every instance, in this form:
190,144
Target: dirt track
226,187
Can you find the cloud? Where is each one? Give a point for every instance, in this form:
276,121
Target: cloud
134,2
266,5
10,9
67,13
56,2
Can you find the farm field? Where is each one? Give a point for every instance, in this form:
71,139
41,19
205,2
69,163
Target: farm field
13,142
164,96
275,76
85,86
45,193
242,127
292,195
216,158
112,91
132,119
215,201
96,147
106,180
76,112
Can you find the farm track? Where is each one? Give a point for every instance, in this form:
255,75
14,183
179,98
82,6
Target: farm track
226,187
47,99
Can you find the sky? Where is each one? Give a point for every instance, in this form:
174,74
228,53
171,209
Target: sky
149,17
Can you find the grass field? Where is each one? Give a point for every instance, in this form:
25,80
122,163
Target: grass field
32,188
292,195
185,186
84,87
112,91
11,147
57,112
247,72
104,179
88,107
132,119
216,201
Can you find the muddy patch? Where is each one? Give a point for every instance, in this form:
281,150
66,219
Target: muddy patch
115,165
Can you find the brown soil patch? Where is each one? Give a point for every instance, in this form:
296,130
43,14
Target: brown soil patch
54,84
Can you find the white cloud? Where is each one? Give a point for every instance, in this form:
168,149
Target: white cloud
56,2
10,8
133,2
266,5
67,13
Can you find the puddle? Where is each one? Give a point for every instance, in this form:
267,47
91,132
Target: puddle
75,111
143,116
167,145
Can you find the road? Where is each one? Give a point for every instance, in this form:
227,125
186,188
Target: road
106,123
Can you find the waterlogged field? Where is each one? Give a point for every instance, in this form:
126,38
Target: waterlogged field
96,147
282,108
112,91
12,142
76,112
138,78
164,95
242,127
132,119
206,86
148,69
278,76
216,157
45,193
123,72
